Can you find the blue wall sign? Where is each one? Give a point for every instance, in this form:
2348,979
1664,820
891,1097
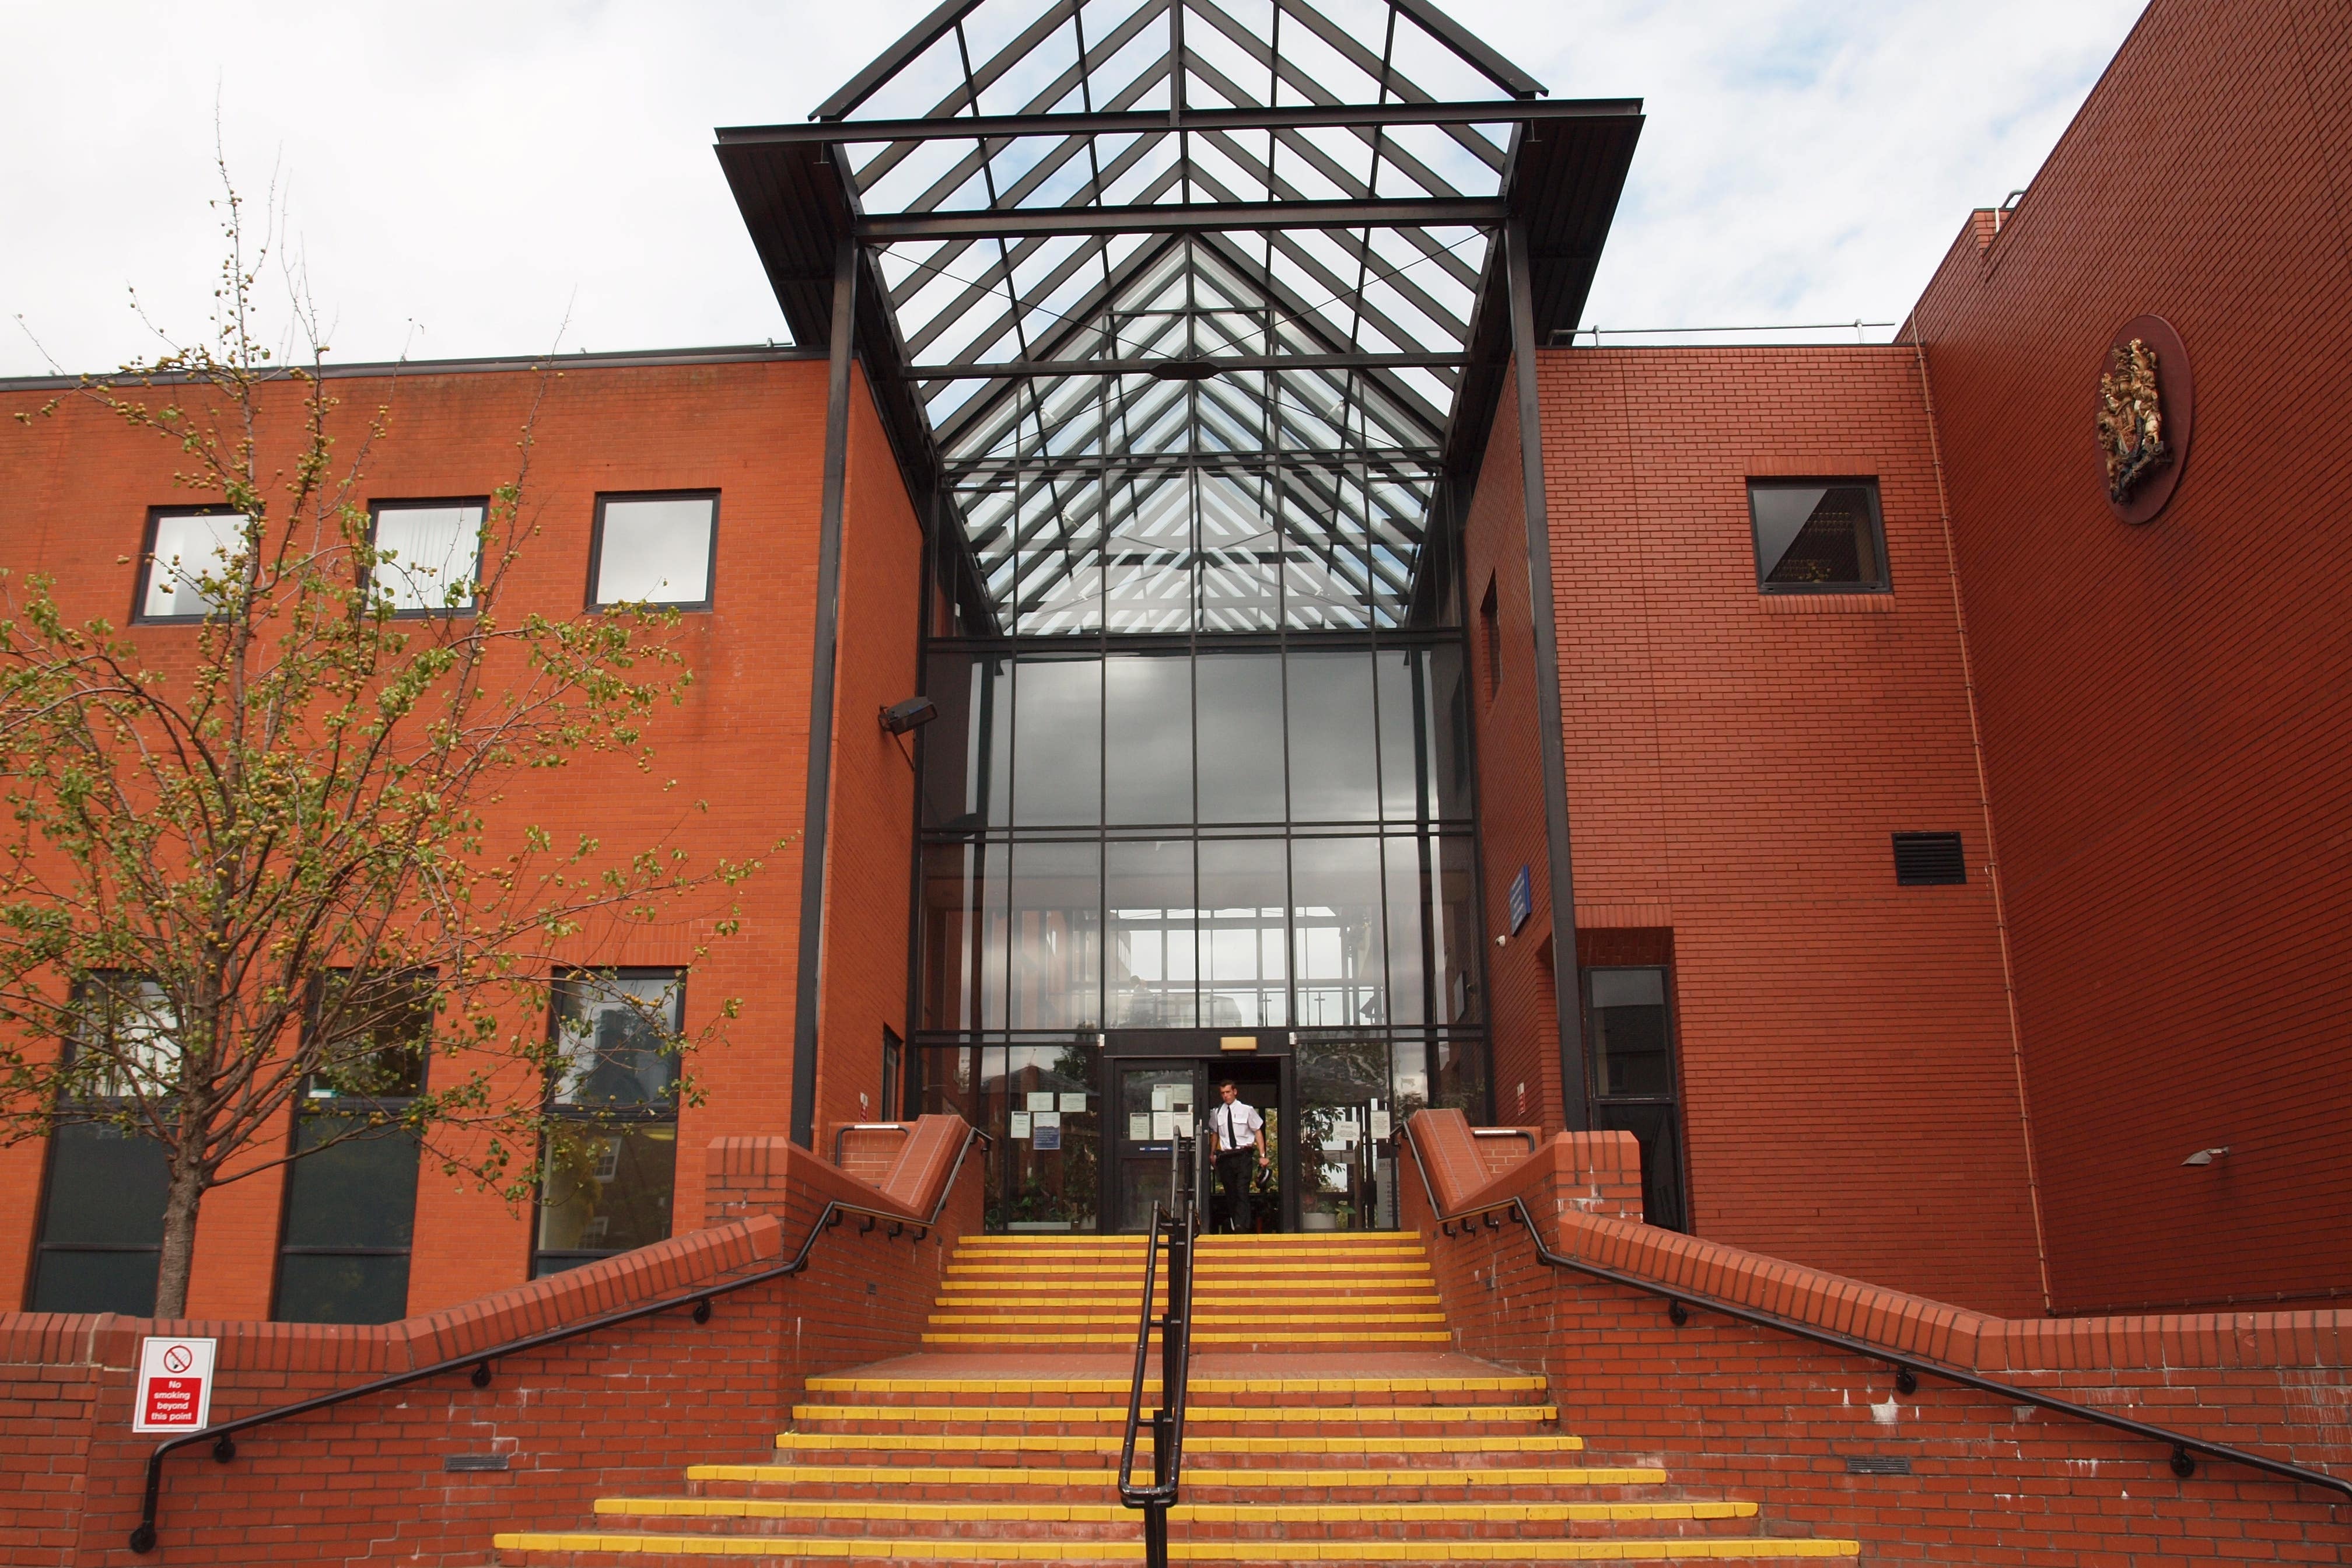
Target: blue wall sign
1523,898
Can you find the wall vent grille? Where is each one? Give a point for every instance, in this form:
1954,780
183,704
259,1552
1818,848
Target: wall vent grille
1929,860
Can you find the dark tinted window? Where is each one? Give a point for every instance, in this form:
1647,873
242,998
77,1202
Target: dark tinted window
1631,1054
350,1210
1817,537
606,1180
604,1191
617,1033
101,1223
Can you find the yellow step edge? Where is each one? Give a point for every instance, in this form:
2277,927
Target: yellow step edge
1388,1337
1210,1269
1741,1549
1199,1320
1182,1513
1200,1299
1217,1414
1199,1385
1203,1476
1051,1443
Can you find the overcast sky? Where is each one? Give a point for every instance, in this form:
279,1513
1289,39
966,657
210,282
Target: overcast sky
460,178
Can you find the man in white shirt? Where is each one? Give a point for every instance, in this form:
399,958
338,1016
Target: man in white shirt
1239,1131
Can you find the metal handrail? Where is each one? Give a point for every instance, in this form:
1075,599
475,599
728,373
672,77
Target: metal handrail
222,1435
1908,1369
1181,1223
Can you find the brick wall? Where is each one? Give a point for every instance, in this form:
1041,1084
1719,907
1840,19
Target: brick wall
869,848
1725,1408
1523,1023
74,489
618,1410
2166,712
1736,764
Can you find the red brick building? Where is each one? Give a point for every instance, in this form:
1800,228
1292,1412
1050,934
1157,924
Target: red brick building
1922,860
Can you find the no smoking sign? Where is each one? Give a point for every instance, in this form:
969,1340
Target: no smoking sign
175,1386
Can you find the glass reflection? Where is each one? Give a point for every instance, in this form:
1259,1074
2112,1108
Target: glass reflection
1151,952
1054,968
1334,771
1240,707
1335,935
1058,742
1148,739
1243,977
967,751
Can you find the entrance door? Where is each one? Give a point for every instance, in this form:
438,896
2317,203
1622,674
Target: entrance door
1154,1103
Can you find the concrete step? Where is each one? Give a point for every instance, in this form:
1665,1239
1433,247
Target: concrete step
1205,1392
1303,1448
600,1549
1202,1483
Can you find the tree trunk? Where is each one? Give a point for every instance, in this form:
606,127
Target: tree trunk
183,1198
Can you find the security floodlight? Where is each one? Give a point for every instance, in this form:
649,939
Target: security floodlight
2206,1156
912,714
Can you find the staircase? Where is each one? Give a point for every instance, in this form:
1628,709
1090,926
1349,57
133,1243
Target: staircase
1329,1422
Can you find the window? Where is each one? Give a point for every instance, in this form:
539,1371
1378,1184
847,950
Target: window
185,547
653,550
605,1182
1490,639
894,1056
432,554
102,1234
351,1207
1631,1047
1818,536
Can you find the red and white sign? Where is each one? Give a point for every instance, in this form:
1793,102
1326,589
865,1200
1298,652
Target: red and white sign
175,1386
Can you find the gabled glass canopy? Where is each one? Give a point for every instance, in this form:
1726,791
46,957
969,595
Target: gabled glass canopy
1187,307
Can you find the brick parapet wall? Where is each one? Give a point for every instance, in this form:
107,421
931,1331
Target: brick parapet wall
1762,1414
620,1409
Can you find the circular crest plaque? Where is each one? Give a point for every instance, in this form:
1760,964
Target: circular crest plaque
2145,404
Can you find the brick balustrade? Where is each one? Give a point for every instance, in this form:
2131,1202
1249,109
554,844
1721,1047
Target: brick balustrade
370,1479
1753,1412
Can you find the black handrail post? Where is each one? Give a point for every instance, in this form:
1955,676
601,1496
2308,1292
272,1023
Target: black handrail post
1180,1224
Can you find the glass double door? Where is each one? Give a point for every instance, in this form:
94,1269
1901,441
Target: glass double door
1157,1102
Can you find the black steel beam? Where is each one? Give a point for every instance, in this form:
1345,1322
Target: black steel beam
816,811
1568,995
1470,46
1171,369
1182,218
920,37
1144,122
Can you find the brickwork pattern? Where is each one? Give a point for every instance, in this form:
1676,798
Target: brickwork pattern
365,1481
74,489
2166,716
1761,1413
1737,765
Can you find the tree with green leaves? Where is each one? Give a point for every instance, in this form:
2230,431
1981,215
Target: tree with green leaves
284,860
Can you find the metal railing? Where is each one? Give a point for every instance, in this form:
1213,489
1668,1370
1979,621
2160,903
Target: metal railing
1908,1369
1180,1224
222,1435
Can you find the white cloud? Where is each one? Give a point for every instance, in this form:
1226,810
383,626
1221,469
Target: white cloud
462,176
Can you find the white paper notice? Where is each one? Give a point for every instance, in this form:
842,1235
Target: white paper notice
1184,1121
1163,1126
1020,1124
1041,1100
1139,1126
1074,1102
1159,1093
1344,1135
1379,1124
1040,1120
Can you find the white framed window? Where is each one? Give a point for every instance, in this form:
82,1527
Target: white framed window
431,554
653,549
185,546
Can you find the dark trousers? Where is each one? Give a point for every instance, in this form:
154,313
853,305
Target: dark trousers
1236,1167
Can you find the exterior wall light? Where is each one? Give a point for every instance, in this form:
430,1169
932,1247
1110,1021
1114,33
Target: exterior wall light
2206,1156
912,714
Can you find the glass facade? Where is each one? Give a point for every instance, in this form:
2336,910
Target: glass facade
1124,842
